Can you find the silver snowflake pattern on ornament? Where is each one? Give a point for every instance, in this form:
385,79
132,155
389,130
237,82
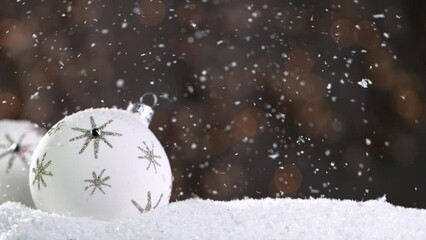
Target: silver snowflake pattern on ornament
41,170
16,150
96,134
150,156
148,205
97,182
56,128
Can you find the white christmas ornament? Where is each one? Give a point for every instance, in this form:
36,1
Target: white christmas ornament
18,139
101,163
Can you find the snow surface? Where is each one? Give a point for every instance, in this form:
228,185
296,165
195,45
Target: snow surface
245,219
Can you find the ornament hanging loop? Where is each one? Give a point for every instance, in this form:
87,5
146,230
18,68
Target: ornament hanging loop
154,97
145,111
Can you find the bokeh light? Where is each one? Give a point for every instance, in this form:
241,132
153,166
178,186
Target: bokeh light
342,32
366,34
151,12
288,179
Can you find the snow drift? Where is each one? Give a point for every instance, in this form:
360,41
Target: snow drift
243,219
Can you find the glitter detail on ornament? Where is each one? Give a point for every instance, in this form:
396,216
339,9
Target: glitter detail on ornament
148,206
97,182
150,156
95,133
41,170
56,128
15,149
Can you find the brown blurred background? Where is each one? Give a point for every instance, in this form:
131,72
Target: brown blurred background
270,98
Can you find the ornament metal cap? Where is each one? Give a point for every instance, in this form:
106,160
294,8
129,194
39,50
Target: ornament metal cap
145,111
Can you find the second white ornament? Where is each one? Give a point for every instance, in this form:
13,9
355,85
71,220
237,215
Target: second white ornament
18,139
101,163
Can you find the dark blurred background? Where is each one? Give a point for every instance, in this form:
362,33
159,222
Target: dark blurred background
258,99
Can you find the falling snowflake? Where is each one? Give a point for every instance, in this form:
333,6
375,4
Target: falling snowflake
150,156
365,83
148,205
56,128
97,182
41,170
95,133
15,149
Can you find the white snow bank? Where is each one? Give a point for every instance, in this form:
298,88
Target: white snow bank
246,219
